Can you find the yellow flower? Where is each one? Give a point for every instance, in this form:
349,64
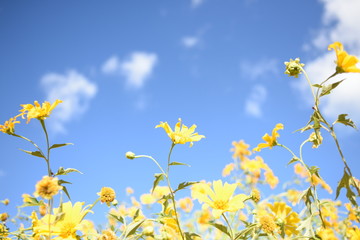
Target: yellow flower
285,217
270,140
9,126
294,67
40,112
186,204
327,234
107,195
228,169
271,179
316,139
205,216
255,195
345,62
241,150
221,199
353,214
181,134
253,166
147,198
267,223
107,235
4,217
47,187
66,227
293,196
129,191
3,231
353,233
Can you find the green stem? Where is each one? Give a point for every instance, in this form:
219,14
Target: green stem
227,222
171,191
48,148
309,82
157,164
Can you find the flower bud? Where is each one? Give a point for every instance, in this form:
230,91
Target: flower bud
294,67
130,155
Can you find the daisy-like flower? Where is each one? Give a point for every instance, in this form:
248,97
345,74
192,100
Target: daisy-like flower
285,217
241,150
221,198
181,134
40,112
107,195
47,187
270,141
9,126
345,62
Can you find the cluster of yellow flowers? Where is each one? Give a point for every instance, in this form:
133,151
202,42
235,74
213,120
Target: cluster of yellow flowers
232,209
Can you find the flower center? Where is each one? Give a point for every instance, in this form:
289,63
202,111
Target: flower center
220,204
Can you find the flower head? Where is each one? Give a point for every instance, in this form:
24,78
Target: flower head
285,217
107,195
270,141
186,204
267,223
241,150
40,112
130,155
221,198
345,62
47,187
181,134
294,67
9,126
228,169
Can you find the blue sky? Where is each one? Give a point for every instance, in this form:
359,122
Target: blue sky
124,66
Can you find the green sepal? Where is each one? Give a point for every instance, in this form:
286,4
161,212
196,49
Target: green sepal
221,227
60,145
32,202
346,121
328,88
36,153
294,159
158,178
63,171
132,227
178,163
184,185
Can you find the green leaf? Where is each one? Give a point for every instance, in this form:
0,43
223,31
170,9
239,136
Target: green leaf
63,171
66,192
60,145
307,195
179,163
243,234
36,153
294,159
317,85
328,88
189,236
184,185
132,227
158,178
221,227
117,218
346,121
345,182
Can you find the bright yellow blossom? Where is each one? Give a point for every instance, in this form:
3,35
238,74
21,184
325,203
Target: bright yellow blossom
270,141
186,204
285,217
107,195
327,234
353,233
253,166
40,112
271,179
241,150
181,134
9,126
221,199
267,223
345,62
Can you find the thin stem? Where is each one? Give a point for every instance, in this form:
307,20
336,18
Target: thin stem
227,222
48,147
310,84
157,164
171,191
33,143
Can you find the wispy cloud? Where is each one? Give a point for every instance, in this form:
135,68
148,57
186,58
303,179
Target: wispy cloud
190,41
261,68
340,23
2,173
196,3
253,105
136,69
74,89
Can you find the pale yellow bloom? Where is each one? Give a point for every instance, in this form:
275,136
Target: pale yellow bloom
47,187
316,139
107,195
293,196
26,198
241,150
129,191
270,141
353,214
9,126
253,166
135,202
40,112
107,234
255,195
221,198
294,67
345,62
300,170
285,217
315,180
170,229
160,191
205,216
147,198
327,234
228,169
267,223
271,179
181,134
186,204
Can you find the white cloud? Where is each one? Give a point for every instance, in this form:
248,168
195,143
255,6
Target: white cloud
340,23
136,69
74,89
259,69
190,42
253,105
196,3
